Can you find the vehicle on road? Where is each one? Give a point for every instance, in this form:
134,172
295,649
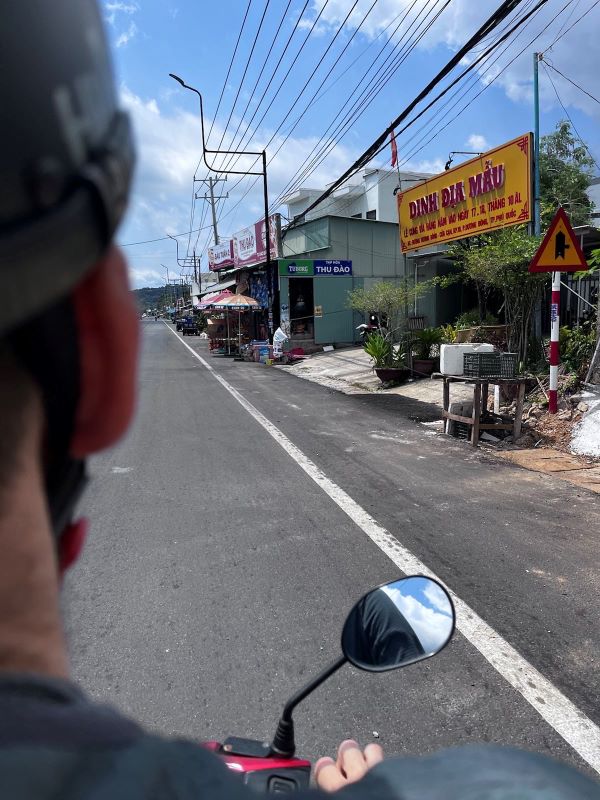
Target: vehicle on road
394,625
178,323
189,327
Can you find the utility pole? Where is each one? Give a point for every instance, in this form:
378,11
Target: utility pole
212,182
537,226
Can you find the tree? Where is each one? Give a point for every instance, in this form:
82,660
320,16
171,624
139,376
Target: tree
389,302
501,262
566,170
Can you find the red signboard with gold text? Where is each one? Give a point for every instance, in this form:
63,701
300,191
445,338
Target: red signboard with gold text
480,195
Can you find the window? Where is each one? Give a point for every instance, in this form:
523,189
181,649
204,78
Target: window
356,216
371,215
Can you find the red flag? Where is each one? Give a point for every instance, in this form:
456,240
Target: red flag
394,149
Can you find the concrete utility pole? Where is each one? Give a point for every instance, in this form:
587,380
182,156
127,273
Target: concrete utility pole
212,182
537,217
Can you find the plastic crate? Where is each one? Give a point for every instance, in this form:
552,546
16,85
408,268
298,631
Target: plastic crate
508,365
481,365
490,365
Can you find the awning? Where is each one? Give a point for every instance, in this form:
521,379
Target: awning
218,287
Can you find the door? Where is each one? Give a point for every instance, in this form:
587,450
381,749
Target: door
335,323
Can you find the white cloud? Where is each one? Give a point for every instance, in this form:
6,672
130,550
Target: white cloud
115,8
431,625
127,35
463,17
477,142
168,150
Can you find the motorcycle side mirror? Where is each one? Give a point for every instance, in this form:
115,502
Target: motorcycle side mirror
394,625
397,624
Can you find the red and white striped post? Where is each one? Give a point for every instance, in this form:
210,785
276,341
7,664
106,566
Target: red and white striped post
554,343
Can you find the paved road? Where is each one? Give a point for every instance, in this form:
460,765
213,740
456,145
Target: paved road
218,574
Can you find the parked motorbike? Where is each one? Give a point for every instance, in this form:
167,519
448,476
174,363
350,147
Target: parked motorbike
364,331
392,626
367,328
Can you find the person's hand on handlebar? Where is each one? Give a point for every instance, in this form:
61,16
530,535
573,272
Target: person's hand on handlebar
352,764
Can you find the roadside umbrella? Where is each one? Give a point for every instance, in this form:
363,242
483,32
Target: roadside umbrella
239,303
209,299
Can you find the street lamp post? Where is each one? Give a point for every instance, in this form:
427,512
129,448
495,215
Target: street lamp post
273,283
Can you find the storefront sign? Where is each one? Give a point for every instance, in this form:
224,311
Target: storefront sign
488,192
333,267
220,256
297,268
248,246
308,267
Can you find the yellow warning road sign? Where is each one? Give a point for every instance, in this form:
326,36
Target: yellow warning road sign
560,250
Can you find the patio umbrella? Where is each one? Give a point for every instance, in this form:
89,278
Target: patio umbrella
239,303
209,299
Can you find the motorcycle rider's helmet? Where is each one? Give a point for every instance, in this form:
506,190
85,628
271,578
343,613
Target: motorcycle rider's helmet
65,171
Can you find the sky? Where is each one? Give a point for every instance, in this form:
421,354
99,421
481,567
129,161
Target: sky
292,100
426,608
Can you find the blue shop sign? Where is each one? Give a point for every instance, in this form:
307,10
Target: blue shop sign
333,267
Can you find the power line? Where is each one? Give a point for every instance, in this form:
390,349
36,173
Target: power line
361,103
485,57
163,238
193,208
568,115
248,60
234,159
464,90
282,20
381,142
227,76
346,102
577,86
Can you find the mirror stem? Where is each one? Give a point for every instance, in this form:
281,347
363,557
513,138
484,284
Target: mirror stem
283,742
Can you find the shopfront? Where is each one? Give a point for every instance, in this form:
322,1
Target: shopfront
314,299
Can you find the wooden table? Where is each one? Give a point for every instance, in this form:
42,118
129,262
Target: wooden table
481,388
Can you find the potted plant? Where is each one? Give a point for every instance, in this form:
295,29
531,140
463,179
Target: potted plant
424,347
388,361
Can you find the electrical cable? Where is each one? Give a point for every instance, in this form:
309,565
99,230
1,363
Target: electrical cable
564,32
161,238
577,86
360,107
295,101
381,142
235,158
193,204
568,115
248,60
228,73
242,115
482,58
512,60
463,91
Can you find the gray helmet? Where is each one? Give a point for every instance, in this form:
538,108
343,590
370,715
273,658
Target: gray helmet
66,158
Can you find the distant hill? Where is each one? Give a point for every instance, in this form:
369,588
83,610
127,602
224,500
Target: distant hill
149,297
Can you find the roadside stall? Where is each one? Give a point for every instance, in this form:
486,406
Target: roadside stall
243,306
216,329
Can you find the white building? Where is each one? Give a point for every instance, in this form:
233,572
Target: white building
367,196
593,192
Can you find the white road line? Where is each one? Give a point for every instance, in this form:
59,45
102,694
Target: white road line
557,710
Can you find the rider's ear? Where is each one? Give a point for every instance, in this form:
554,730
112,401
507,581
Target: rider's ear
107,321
